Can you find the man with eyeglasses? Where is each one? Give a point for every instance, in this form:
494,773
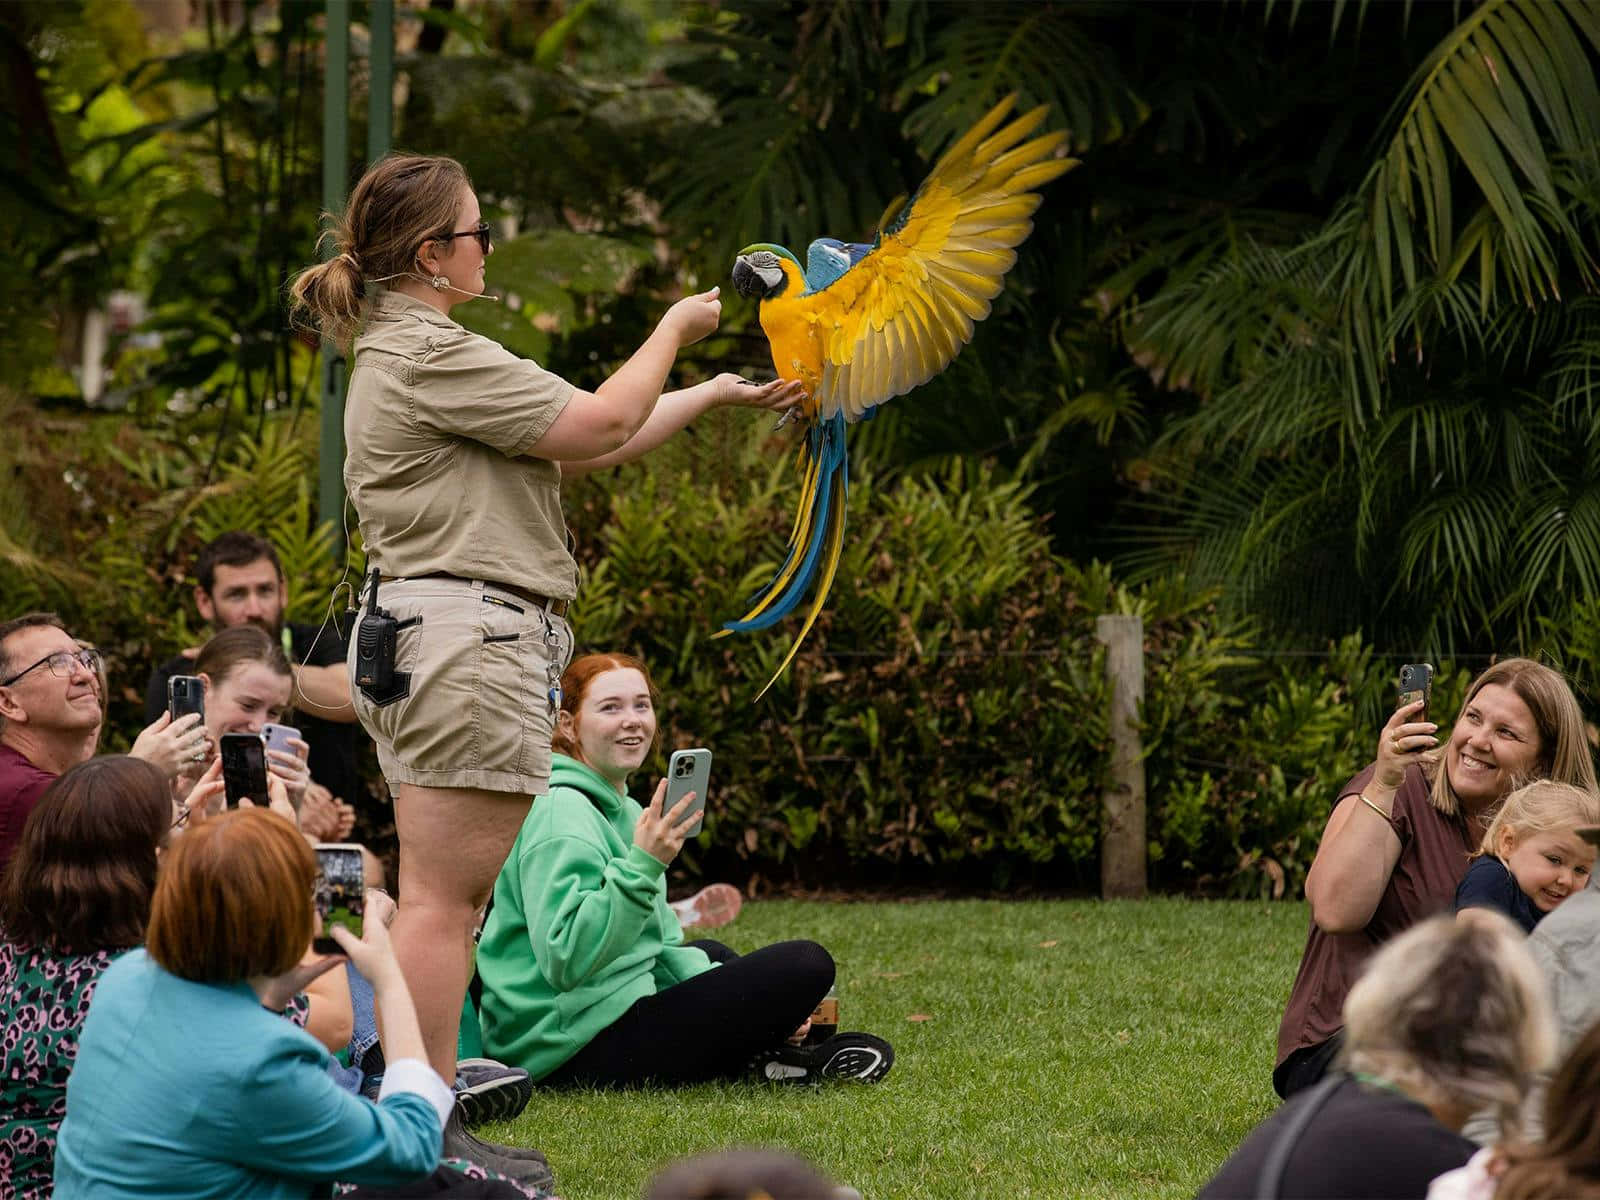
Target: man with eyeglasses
49,715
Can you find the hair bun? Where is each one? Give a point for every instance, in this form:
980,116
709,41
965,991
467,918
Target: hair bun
352,260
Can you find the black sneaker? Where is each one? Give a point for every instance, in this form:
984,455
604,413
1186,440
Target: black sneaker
523,1164
858,1056
490,1091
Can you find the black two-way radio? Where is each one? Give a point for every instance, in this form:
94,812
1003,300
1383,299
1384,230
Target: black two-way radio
377,635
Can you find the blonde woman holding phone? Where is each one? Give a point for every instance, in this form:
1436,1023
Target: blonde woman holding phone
1402,830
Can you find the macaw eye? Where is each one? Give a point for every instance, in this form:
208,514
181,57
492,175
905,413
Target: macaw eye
763,258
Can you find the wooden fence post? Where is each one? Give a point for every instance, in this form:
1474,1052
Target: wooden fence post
1122,836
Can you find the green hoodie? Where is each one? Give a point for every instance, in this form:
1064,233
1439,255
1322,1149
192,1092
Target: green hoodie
580,927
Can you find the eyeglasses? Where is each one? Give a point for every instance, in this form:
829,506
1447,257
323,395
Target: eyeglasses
479,231
61,664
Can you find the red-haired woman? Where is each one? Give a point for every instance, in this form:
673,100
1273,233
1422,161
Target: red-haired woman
586,977
187,1083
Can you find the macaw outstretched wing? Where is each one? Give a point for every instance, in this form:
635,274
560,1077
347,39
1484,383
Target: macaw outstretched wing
895,318
875,321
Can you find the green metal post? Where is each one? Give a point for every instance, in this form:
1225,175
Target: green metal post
380,80
335,165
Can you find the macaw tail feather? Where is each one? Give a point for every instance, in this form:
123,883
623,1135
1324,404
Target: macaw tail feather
815,541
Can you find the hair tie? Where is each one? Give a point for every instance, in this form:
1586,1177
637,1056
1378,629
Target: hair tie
355,264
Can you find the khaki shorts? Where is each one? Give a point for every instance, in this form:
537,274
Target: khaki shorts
478,712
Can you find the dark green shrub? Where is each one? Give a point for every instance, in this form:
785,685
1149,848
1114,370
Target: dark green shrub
944,725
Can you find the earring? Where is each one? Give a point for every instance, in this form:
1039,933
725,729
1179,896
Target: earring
440,282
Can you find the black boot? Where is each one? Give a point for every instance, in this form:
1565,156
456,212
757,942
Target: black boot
525,1165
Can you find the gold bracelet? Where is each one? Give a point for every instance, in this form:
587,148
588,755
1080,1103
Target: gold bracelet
1386,816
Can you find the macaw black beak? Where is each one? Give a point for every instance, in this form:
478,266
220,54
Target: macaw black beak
747,280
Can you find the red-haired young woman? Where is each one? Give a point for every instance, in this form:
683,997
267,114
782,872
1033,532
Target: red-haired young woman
586,977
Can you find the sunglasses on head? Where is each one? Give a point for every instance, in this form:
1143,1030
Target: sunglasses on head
479,231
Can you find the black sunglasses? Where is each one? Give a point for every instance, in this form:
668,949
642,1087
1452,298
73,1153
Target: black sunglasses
479,231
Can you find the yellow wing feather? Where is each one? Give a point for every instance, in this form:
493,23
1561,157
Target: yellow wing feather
897,318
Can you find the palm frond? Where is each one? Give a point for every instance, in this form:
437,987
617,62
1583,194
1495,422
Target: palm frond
1043,51
1503,96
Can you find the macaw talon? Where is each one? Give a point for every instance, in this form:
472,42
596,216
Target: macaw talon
788,415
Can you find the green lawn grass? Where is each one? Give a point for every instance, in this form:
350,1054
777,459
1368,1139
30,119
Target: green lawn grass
1070,1048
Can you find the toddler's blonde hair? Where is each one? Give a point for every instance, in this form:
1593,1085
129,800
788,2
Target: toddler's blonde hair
1542,806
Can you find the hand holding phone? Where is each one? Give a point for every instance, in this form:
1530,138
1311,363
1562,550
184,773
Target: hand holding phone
660,831
1416,683
689,771
340,895
287,755
1408,735
278,737
186,694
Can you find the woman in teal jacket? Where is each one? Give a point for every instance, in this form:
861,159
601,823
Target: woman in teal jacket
586,976
188,1085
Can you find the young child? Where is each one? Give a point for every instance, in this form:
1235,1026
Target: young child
1532,858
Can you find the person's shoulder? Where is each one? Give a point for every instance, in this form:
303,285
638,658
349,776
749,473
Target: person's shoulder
564,807
178,664
1489,884
563,813
458,349
1357,1113
1416,791
316,645
1413,808
133,972
1358,781
1576,923
1487,868
397,324
21,779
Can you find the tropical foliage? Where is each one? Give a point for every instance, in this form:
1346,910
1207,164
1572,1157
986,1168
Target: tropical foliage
1306,347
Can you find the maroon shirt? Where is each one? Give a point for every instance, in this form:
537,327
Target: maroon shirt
1433,858
21,785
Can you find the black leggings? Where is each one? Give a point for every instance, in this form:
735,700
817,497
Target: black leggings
708,1027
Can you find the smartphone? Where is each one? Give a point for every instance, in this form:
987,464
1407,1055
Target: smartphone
244,768
688,771
1416,683
278,736
341,894
186,694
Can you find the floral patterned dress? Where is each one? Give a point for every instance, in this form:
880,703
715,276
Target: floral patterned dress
44,997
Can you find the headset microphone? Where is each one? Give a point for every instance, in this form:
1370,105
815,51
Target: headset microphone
450,287
438,283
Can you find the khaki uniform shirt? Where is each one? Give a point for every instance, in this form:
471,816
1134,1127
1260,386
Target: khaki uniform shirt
437,426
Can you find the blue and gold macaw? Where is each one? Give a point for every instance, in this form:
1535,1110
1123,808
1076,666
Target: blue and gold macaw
859,324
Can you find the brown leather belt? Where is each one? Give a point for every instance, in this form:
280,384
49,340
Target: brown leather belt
548,603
